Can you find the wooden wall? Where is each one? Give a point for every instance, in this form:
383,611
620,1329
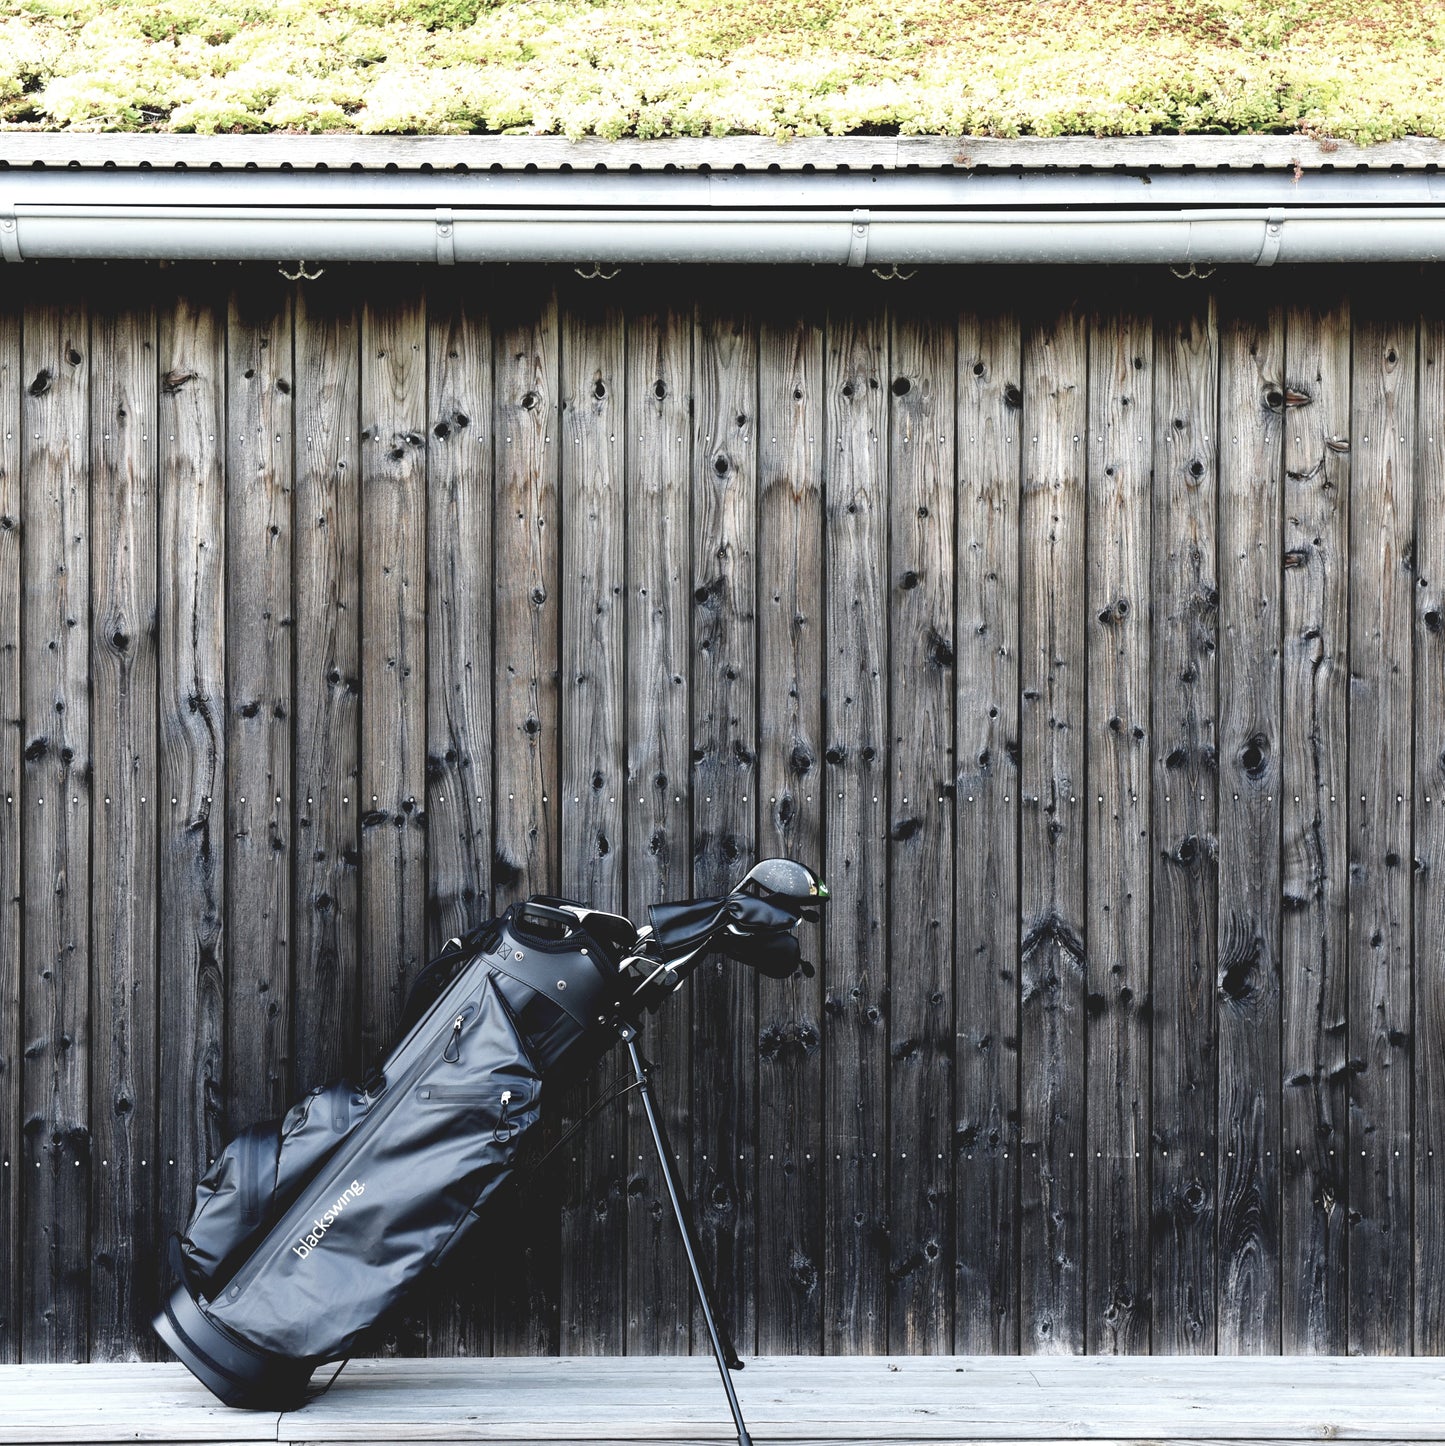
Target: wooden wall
1084,630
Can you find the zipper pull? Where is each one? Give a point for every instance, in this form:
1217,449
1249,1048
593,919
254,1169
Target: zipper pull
503,1132
452,1054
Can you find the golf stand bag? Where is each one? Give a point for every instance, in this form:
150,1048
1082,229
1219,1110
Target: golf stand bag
306,1230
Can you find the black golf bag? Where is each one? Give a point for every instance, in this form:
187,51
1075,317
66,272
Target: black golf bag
306,1230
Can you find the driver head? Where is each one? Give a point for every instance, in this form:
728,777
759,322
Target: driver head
784,879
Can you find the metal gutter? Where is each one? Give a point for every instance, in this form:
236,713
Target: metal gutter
1251,236
884,218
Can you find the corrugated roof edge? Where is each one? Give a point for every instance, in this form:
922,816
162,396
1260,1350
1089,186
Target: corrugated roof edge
27,148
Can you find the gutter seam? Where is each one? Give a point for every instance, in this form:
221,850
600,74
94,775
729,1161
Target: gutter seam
9,235
1273,238
858,239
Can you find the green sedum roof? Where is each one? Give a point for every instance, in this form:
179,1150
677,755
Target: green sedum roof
1364,70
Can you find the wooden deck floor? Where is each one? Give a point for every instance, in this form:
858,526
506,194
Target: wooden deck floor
671,1400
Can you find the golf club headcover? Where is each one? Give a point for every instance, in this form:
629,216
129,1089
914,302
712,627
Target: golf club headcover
681,927
774,953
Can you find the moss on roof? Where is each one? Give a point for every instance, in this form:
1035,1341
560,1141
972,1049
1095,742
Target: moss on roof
1363,70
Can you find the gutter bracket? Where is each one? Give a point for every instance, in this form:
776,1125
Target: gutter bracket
446,237
858,239
9,235
1273,238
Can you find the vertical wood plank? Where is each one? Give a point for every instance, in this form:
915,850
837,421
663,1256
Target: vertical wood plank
1052,525
393,662
659,864
459,633
190,601
526,607
326,794
986,1161
1429,867
55,792
526,631
790,670
1185,598
12,841
1313,787
920,830
459,694
1382,571
124,1078
259,376
393,673
594,1213
855,1041
1117,619
1247,986
724,788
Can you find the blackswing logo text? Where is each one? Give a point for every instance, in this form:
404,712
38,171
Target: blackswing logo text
327,1219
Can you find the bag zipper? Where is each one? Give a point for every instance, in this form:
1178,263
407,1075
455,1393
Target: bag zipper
502,1131
452,1054
461,1095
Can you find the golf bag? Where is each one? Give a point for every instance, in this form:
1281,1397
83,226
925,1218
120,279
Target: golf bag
306,1230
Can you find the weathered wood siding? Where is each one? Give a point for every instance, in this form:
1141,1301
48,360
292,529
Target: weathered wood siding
1088,636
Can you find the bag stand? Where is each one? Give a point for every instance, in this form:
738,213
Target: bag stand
722,1346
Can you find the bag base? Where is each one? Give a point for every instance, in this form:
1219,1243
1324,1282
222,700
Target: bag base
235,1373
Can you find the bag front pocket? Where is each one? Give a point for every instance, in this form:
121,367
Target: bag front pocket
505,1105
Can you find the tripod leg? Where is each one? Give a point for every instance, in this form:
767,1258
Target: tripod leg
722,1346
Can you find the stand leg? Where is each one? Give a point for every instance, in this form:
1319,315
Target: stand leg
722,1346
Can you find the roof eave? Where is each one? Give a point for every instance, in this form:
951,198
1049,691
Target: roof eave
31,148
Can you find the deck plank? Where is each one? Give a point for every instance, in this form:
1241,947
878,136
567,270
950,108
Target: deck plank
808,1399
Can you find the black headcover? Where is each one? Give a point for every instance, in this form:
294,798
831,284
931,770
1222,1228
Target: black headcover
766,941
776,954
